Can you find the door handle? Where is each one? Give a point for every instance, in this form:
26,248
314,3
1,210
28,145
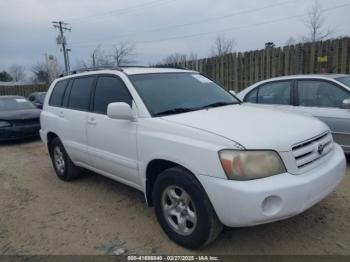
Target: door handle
61,115
92,121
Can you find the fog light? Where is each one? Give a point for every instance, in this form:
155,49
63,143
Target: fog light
271,205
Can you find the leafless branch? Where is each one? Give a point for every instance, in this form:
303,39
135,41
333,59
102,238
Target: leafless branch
17,72
315,22
223,46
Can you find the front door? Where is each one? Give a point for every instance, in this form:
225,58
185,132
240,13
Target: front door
112,142
274,95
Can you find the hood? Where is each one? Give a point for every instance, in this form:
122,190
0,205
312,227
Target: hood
20,114
253,128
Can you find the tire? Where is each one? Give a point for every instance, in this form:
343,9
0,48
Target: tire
183,209
63,165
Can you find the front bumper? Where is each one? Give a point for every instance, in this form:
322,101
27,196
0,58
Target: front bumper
19,132
247,203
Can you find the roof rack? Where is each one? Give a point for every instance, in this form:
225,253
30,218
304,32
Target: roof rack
170,66
88,69
119,68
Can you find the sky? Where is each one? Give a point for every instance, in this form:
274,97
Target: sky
156,27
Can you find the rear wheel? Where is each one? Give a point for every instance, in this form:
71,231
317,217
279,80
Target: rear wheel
184,210
63,165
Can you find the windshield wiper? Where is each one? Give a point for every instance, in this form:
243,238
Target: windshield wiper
174,111
218,104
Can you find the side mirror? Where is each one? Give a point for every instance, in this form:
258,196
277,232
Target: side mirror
233,92
346,104
120,111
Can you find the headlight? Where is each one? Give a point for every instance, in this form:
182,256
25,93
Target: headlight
4,124
249,165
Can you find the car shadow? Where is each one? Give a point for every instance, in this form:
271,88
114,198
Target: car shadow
347,158
90,178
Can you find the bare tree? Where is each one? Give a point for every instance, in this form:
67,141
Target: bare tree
223,46
315,23
41,73
101,57
98,57
17,72
192,56
175,59
123,54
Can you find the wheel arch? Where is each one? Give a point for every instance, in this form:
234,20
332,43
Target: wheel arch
154,168
50,137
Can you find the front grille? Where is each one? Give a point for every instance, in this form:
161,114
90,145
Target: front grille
25,122
313,149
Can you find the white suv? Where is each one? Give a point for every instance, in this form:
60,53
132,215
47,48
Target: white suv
201,158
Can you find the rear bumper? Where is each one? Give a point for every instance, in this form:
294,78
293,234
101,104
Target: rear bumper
246,203
13,133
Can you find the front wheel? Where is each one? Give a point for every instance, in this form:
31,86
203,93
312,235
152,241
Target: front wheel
184,210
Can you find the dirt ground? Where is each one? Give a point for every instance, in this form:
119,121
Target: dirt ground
39,214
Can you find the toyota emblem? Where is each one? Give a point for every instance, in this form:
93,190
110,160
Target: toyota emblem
320,149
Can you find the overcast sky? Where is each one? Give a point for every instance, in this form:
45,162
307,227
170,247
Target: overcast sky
158,28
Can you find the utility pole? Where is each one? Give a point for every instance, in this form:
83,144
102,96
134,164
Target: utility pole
61,40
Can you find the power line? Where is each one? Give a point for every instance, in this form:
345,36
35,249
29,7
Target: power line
216,18
230,28
238,27
61,40
227,29
121,11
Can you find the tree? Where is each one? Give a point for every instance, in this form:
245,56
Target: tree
175,59
5,77
315,24
270,45
223,46
41,73
123,54
17,72
98,57
192,56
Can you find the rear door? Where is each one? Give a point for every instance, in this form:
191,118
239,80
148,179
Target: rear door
73,118
323,99
112,142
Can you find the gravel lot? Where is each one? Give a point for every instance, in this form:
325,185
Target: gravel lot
40,214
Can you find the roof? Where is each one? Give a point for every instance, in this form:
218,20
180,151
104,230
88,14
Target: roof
153,70
129,71
332,76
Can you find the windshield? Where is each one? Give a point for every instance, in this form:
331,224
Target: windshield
344,80
15,103
173,93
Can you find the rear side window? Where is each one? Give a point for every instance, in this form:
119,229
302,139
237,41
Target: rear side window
109,90
80,94
317,93
57,93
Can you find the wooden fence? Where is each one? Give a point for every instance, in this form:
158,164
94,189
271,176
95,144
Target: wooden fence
239,70
22,90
